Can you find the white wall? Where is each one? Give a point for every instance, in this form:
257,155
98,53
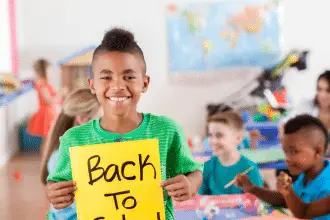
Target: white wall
55,28
5,44
11,117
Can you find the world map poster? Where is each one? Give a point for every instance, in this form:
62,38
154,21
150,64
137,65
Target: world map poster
213,36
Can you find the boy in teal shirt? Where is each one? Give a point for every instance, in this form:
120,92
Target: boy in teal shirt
119,78
226,131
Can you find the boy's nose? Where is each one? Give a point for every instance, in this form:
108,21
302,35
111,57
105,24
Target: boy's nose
212,141
117,85
288,159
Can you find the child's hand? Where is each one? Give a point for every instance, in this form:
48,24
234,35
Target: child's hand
179,188
244,182
284,184
61,194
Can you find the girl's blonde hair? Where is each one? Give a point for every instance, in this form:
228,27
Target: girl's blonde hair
78,102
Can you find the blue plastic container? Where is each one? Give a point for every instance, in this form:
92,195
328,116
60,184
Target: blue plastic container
28,142
267,129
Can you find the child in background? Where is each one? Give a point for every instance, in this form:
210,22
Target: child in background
250,137
41,121
298,207
118,79
304,143
226,132
79,107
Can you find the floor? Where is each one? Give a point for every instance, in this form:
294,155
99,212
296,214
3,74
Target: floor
22,196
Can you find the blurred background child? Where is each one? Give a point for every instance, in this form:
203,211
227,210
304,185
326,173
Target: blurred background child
226,133
41,121
250,138
79,107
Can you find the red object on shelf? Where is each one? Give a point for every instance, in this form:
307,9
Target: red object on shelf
281,96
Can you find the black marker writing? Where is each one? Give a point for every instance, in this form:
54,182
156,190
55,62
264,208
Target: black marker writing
124,217
124,200
144,165
123,170
95,168
116,172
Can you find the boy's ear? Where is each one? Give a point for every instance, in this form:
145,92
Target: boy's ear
320,151
91,85
240,136
146,83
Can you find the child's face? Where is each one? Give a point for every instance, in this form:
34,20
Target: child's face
300,156
322,93
224,138
118,81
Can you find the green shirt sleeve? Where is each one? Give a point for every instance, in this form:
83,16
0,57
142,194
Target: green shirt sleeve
179,158
63,170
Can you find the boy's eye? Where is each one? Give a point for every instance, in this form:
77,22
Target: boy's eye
129,77
219,135
106,77
292,151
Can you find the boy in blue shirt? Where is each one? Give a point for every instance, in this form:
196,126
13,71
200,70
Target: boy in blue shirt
304,143
226,133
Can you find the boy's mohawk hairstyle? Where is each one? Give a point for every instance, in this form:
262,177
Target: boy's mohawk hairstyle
118,39
306,121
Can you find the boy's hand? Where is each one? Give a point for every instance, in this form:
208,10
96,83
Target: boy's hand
61,194
284,184
244,182
179,188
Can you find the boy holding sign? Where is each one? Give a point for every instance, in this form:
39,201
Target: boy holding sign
118,79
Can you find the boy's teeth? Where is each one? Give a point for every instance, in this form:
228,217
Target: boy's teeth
118,98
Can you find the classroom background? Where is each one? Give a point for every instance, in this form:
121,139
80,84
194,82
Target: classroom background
66,32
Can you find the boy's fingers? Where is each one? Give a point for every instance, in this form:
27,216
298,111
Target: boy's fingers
174,186
238,177
237,180
244,178
63,205
177,193
283,175
62,199
288,182
62,192
60,185
181,198
170,181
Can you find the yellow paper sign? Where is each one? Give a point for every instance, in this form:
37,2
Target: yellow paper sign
118,181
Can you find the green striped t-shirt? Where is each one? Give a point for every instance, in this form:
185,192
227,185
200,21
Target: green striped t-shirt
175,156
